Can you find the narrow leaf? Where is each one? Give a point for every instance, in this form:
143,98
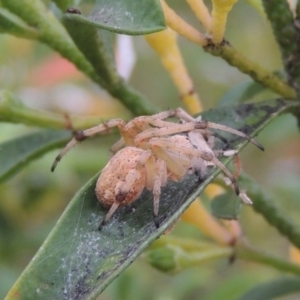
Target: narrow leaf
137,17
133,17
9,23
273,289
18,152
97,47
281,18
241,93
78,262
287,36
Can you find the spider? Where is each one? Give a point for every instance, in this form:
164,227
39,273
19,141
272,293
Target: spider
153,150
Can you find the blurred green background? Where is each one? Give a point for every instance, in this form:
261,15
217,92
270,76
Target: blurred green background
32,201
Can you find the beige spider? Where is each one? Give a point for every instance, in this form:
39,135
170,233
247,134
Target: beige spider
153,150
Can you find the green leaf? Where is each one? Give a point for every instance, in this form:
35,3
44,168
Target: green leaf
97,47
281,18
18,152
9,23
132,17
241,93
273,289
226,206
77,261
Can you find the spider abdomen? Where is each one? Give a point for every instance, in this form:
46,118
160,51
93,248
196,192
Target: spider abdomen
122,180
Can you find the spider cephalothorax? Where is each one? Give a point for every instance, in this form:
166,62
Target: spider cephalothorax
153,150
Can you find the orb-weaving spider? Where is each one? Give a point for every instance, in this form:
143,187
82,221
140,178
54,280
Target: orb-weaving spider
153,150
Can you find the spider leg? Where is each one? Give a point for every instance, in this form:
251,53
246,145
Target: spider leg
179,163
132,175
111,211
175,165
150,166
158,179
157,120
183,115
117,146
82,135
179,113
142,123
143,126
205,155
225,152
171,128
227,173
206,124
160,116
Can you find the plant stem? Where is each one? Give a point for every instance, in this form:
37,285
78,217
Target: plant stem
165,44
13,111
219,15
273,214
281,19
286,31
183,28
254,70
134,101
247,252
